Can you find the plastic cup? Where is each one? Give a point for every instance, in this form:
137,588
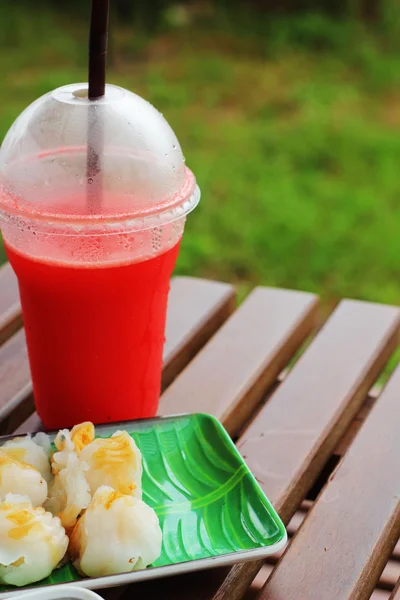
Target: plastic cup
93,202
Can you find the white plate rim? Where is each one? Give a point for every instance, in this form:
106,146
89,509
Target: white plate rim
191,566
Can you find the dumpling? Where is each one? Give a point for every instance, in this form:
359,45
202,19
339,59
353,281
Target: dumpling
26,450
82,435
116,534
20,478
43,440
32,542
71,441
115,461
69,493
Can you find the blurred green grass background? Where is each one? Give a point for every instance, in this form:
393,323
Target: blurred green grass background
291,124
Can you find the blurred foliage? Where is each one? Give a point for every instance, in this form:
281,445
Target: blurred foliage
291,124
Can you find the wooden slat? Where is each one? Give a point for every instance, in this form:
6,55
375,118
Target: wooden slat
396,592
387,581
303,421
356,425
230,376
301,424
31,425
195,311
212,580
380,595
265,572
296,431
10,307
355,524
390,574
396,551
16,402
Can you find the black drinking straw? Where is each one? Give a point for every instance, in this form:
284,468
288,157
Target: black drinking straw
98,42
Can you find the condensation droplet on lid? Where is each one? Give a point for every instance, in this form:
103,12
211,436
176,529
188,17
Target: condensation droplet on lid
175,146
90,180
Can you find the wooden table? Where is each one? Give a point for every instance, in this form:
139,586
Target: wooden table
295,422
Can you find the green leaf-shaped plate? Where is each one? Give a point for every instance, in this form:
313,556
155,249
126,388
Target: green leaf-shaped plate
211,509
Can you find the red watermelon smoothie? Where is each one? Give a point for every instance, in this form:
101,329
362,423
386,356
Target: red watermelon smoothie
94,276
95,336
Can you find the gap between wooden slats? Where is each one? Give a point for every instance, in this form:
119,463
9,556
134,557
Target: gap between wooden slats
265,572
303,421
10,307
196,309
356,520
387,582
359,419
391,572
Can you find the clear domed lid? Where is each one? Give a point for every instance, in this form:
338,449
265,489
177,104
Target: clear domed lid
68,159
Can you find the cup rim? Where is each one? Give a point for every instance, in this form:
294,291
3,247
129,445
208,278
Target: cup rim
165,212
